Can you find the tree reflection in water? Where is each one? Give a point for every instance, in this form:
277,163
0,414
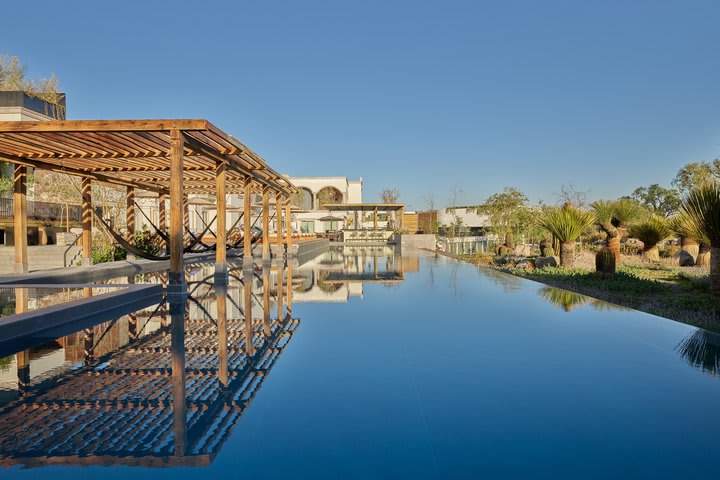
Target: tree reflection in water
701,349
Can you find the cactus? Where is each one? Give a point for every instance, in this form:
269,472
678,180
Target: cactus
546,249
509,240
605,262
502,250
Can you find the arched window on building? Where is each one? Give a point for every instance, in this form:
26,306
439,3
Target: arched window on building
329,195
303,199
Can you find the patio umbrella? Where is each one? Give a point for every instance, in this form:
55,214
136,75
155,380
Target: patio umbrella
330,218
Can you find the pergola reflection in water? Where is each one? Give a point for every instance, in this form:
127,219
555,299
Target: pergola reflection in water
168,397
171,393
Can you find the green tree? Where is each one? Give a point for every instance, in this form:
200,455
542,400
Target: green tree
507,211
696,173
660,200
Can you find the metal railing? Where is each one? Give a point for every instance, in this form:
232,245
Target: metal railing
43,211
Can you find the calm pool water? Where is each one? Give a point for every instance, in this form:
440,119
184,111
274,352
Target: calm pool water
383,366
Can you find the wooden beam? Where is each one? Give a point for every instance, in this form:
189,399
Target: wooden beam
176,210
220,254
105,125
87,220
20,218
266,224
247,221
78,173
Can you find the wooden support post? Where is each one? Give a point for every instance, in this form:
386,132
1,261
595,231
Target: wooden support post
20,218
266,225
23,356
375,219
186,219
130,212
278,224
288,308
221,302
130,218
175,276
279,281
266,300
177,351
23,372
87,220
247,296
288,228
247,221
401,212
221,240
162,218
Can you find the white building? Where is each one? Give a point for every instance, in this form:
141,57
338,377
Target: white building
310,217
466,216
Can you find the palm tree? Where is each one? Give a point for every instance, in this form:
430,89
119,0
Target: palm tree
702,207
651,231
693,242
613,217
566,223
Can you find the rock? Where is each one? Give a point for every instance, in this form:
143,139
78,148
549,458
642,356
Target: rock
522,250
527,264
685,259
542,262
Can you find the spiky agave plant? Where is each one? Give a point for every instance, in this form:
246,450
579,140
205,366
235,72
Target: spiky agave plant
702,207
651,231
613,217
566,223
564,299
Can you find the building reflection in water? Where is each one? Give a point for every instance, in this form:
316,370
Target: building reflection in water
165,386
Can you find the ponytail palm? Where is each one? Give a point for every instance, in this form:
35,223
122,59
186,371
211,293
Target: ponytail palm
702,208
566,223
613,217
693,241
651,231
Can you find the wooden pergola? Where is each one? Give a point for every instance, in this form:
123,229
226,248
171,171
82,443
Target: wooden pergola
172,158
368,207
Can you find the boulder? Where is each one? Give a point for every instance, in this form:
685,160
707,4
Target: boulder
685,259
525,263
522,250
542,262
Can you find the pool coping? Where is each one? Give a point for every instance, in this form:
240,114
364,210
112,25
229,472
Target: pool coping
98,308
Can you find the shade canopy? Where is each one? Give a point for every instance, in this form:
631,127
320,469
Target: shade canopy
363,207
330,218
136,153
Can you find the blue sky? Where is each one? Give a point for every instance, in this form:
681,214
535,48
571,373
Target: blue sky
422,96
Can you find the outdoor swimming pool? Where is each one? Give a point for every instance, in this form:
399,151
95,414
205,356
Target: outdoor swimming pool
383,365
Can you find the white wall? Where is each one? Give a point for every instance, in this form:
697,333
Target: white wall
468,215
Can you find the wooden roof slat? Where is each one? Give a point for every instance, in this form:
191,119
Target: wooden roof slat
135,152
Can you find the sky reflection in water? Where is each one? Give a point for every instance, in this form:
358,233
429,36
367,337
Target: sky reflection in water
374,365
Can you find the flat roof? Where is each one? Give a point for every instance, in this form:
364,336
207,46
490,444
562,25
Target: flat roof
362,207
137,153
